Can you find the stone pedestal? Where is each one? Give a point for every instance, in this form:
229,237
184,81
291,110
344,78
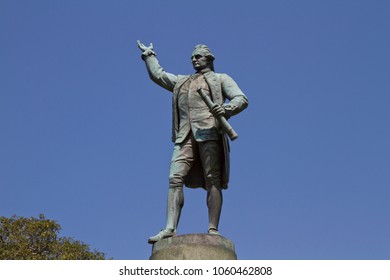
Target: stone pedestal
194,247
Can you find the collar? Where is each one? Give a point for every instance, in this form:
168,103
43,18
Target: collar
204,71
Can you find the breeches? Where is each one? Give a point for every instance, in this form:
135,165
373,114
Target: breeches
208,154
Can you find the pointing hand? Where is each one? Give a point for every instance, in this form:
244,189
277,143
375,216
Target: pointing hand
144,48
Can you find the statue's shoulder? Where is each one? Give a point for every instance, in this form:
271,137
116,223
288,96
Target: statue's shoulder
225,78
180,80
183,76
212,74
222,75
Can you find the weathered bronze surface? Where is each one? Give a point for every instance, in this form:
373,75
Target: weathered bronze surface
201,149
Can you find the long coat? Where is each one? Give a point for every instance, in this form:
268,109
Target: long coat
222,87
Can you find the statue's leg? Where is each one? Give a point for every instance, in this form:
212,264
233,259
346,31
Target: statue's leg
181,162
214,204
211,154
174,206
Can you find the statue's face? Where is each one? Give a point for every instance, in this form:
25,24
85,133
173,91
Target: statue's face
199,62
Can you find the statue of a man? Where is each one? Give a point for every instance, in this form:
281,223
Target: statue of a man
201,150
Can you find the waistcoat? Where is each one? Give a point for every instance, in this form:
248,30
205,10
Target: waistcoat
213,82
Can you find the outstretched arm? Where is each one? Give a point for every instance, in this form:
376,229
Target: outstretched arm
156,72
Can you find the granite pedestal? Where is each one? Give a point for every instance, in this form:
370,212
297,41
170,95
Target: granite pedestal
194,247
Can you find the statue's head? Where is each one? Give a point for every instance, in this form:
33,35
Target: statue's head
202,58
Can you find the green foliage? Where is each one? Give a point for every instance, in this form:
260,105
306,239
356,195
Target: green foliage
37,239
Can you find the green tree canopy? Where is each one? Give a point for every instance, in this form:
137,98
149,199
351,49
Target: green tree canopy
37,239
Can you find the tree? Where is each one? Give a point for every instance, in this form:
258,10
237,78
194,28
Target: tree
37,239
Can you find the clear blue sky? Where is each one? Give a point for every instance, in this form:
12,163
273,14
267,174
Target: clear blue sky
85,135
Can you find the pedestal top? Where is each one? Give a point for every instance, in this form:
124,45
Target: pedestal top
199,246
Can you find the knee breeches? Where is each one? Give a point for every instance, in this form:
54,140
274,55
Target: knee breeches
208,153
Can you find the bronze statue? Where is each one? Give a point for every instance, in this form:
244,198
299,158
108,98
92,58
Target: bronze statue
201,150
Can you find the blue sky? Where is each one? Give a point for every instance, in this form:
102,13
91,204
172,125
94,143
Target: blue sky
85,135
